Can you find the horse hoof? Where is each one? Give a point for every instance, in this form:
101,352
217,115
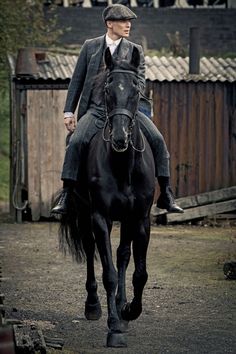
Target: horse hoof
93,311
116,340
131,312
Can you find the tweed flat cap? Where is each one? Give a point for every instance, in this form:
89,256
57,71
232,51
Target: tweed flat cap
117,12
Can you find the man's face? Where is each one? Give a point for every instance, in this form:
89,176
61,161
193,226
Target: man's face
119,28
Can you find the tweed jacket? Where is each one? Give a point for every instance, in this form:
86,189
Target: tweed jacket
87,68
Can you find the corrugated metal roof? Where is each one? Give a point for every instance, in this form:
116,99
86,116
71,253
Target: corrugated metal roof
57,66
176,69
60,66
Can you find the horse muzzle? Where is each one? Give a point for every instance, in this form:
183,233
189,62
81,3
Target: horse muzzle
120,129
120,144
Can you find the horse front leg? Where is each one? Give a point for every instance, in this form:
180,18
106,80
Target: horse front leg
102,229
132,311
93,309
123,258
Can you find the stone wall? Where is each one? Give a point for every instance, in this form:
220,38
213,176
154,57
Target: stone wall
218,29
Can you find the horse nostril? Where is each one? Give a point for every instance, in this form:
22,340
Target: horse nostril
120,144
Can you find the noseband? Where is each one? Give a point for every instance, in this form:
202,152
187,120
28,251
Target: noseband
122,111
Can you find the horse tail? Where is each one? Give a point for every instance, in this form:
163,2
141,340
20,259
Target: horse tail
74,227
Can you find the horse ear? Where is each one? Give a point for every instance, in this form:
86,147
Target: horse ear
135,61
108,59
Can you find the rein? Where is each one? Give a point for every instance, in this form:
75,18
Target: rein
123,111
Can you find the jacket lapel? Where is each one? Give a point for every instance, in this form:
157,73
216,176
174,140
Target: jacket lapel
96,57
123,50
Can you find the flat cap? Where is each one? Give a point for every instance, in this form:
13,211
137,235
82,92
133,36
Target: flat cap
117,12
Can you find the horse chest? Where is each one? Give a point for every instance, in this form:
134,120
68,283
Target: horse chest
121,205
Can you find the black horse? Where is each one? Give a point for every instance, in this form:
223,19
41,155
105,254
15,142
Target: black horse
118,186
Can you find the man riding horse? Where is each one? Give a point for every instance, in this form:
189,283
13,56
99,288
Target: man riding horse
86,89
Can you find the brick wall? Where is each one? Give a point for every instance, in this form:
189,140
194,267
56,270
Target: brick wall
218,29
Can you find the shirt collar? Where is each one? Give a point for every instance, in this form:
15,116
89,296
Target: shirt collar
109,41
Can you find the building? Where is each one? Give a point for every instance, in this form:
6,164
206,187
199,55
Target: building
195,112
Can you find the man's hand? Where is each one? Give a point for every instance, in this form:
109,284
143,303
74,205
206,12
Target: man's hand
70,123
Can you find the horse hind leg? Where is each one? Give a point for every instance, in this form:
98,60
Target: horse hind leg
93,310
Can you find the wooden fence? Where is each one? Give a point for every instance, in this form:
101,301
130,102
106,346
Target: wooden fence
198,121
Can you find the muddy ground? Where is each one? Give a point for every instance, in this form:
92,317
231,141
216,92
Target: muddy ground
188,306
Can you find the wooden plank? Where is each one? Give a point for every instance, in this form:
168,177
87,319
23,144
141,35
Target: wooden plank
202,211
231,97
59,138
183,163
225,216
46,156
225,130
172,109
210,129
202,144
207,198
200,199
52,148
219,137
33,134
192,139
46,147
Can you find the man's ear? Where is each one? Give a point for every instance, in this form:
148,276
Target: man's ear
108,24
135,61
108,59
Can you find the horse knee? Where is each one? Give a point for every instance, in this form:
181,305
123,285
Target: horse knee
123,256
110,281
140,278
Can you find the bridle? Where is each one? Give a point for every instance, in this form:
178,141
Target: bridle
122,111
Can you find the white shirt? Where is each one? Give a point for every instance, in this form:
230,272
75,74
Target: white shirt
112,45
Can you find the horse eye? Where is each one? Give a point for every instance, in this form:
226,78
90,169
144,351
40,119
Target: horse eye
109,81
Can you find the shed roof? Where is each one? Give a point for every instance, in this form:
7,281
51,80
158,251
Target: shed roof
54,66
176,69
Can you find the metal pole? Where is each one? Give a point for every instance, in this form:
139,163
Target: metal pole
194,51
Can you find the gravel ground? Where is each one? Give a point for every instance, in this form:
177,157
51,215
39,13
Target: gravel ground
188,306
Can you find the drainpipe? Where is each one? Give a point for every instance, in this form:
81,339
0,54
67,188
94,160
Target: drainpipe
194,51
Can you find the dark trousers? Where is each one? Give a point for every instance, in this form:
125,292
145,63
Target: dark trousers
91,123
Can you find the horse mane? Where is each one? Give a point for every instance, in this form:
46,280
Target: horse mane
124,65
121,64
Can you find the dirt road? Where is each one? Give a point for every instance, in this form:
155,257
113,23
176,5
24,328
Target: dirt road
188,305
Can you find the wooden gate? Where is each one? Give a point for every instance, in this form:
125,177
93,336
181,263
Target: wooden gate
46,147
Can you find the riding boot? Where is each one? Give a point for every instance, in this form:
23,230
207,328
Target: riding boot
64,199
166,199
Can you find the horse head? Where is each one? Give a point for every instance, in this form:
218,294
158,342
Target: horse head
121,98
